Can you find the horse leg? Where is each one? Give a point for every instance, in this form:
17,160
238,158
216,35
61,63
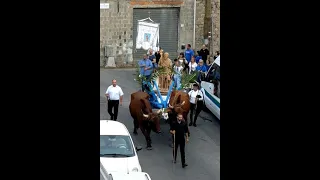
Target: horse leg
149,132
146,135
136,126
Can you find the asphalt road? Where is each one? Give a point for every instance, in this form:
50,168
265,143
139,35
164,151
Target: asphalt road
202,151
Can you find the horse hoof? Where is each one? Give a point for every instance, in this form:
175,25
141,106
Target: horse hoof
149,148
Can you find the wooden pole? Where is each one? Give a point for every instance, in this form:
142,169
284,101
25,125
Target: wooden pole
174,146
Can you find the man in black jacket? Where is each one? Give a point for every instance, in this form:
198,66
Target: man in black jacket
157,55
179,129
204,53
217,54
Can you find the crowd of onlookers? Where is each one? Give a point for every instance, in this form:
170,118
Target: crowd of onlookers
187,62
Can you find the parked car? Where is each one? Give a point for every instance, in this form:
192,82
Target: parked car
210,88
104,175
131,176
117,151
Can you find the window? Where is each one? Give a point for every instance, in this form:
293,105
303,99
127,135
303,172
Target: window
213,73
116,146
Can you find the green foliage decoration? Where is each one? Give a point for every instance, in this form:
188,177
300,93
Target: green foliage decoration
186,78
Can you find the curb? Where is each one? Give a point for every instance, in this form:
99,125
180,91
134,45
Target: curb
118,68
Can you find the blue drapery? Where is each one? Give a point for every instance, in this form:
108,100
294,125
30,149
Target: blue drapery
153,98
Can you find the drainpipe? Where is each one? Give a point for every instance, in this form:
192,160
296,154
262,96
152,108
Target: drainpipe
194,23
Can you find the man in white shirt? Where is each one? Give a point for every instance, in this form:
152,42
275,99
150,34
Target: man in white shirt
114,93
196,104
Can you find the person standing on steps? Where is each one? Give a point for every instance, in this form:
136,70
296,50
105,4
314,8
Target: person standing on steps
152,58
204,53
202,69
196,102
188,53
179,130
146,69
114,93
157,55
177,68
192,65
217,54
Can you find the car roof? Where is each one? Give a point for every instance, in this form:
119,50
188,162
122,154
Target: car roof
110,127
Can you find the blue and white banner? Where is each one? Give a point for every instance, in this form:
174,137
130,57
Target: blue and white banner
147,35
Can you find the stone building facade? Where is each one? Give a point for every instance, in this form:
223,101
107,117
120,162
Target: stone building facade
116,26
215,43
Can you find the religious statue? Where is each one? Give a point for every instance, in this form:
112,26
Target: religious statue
164,79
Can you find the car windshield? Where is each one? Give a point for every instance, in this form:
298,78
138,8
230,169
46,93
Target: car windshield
214,78
116,146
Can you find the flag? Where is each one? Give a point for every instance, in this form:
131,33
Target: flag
147,35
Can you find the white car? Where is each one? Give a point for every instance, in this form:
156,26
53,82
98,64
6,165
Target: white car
131,176
104,175
212,98
117,151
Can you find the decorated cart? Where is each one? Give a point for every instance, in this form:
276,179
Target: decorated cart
160,88
161,85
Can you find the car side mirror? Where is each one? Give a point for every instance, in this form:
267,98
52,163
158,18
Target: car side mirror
138,148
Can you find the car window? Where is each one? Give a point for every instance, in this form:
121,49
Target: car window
213,77
116,144
213,73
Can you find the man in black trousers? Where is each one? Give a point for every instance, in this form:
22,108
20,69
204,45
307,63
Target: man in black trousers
157,55
114,96
196,104
179,129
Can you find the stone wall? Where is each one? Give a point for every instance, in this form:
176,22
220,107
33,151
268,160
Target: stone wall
116,25
215,26
116,30
200,14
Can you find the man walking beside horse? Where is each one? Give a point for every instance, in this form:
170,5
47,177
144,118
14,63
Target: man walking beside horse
179,129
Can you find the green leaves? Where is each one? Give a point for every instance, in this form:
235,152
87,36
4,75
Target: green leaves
186,78
139,79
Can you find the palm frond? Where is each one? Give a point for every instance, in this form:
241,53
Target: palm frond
186,79
160,71
155,75
138,78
